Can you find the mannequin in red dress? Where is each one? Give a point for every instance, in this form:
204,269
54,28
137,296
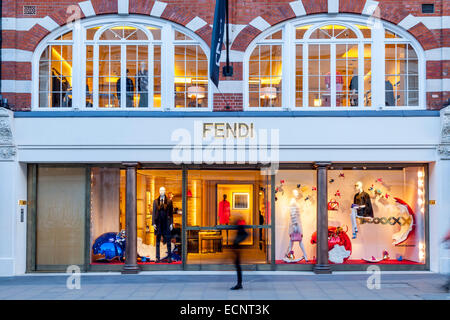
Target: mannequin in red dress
224,211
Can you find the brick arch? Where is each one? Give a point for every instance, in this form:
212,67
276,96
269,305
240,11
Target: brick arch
171,13
389,12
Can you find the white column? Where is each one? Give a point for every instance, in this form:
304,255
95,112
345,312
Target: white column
167,64
8,201
378,66
439,216
288,68
440,192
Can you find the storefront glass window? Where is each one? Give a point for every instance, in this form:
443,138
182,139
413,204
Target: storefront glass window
151,186
107,215
295,207
55,74
217,201
376,215
60,220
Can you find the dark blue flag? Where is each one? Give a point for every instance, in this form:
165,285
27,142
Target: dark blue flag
217,41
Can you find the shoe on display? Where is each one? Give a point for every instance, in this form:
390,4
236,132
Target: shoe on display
236,287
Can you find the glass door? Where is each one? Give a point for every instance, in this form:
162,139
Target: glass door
217,200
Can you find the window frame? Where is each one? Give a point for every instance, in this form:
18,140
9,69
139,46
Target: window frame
105,22
378,28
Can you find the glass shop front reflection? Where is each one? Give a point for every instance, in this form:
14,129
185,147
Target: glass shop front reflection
159,210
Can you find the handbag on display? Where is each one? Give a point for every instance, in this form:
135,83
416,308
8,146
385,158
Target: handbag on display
333,205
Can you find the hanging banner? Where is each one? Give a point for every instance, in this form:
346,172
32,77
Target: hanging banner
217,41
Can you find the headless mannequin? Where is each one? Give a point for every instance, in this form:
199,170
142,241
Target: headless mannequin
224,212
356,207
354,88
162,199
143,85
295,230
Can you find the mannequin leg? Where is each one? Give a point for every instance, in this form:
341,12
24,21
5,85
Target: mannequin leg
290,247
303,249
354,226
169,250
158,240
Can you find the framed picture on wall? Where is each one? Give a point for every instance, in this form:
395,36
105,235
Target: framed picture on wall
241,200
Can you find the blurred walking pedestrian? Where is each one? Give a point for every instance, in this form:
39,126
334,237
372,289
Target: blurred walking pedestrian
240,237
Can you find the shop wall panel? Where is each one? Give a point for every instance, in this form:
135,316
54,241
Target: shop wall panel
49,139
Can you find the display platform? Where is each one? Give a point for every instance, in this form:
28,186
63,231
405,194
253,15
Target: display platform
299,262
387,261
140,263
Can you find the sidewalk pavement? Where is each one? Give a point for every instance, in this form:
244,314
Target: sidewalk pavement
183,285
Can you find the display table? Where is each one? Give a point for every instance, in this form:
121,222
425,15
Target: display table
216,239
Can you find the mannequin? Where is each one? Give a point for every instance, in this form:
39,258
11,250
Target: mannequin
295,229
361,207
143,85
224,212
129,88
389,94
163,221
354,88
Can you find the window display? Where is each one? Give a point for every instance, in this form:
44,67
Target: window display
376,214
382,211
295,207
158,209
108,215
159,212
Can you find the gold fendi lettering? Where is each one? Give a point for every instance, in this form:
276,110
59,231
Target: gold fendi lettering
228,130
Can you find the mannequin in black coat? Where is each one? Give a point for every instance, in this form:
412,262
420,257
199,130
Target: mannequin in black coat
163,221
362,199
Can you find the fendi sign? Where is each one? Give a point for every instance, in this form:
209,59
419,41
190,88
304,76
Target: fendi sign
228,130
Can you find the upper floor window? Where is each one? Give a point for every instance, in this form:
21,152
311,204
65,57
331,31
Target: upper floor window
332,65
134,65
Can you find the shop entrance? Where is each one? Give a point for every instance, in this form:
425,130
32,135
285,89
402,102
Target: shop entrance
216,201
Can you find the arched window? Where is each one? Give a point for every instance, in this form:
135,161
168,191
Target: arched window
138,64
55,73
349,63
265,71
338,63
